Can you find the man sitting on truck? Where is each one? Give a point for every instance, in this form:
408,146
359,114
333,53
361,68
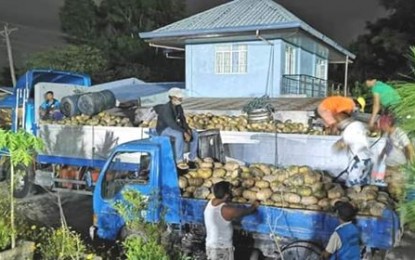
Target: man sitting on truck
218,217
334,105
49,109
344,243
172,122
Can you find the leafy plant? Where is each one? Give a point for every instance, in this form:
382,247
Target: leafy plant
259,103
405,112
145,239
138,248
5,230
20,147
62,243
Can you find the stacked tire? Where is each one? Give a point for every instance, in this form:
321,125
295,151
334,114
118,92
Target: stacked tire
88,104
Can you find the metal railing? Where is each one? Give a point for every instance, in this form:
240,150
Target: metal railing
300,84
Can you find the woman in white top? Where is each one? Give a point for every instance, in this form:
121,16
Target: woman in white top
218,222
355,140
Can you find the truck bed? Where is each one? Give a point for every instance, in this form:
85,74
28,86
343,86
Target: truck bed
297,224
90,144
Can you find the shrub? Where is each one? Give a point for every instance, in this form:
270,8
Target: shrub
62,243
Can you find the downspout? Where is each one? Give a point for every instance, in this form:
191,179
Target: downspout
271,63
172,57
258,36
165,47
346,71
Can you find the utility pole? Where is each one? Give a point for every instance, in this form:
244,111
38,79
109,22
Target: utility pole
5,33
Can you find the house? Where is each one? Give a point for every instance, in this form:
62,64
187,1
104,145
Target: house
247,48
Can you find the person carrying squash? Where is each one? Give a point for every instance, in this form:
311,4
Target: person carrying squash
385,98
331,106
354,139
397,153
218,216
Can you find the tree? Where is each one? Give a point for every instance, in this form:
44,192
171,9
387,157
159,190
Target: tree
20,148
78,58
379,51
116,25
79,20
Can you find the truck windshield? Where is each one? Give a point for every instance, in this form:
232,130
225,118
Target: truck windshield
126,168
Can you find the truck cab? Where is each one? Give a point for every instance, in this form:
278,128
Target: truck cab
147,166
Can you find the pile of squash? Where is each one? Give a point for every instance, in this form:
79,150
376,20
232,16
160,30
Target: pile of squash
296,187
240,124
101,119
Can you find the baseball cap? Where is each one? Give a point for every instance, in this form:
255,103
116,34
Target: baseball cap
362,103
345,210
176,92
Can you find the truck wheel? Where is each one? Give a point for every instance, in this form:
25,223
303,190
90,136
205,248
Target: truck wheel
24,181
301,250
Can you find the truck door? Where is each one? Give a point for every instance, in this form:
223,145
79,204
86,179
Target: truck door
126,170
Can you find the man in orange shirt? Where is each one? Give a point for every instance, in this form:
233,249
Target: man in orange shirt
334,105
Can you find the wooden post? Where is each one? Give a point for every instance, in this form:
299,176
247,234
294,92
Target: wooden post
346,71
5,33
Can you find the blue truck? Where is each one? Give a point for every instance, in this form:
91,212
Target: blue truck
17,109
83,147
108,149
303,231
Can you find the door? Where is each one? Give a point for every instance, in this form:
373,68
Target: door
126,170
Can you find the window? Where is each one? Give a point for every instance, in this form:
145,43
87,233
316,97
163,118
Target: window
126,168
290,60
321,68
231,59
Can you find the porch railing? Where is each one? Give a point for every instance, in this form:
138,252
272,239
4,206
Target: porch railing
300,84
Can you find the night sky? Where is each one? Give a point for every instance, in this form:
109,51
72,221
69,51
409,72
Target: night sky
38,20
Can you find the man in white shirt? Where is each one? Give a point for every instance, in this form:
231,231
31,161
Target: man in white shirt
355,140
218,222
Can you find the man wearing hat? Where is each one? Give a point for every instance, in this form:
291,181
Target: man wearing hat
172,122
344,243
331,106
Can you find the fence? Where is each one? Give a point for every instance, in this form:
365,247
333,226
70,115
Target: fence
303,85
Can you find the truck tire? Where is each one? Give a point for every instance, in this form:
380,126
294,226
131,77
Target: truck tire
24,184
301,250
69,106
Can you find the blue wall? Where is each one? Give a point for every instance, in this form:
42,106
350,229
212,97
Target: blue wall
264,74
202,81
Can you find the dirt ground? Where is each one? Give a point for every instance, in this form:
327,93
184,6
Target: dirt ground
43,209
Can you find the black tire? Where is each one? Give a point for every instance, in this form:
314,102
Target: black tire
108,99
69,106
24,187
94,103
301,250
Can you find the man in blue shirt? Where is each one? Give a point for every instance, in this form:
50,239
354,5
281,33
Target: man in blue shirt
50,107
344,243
